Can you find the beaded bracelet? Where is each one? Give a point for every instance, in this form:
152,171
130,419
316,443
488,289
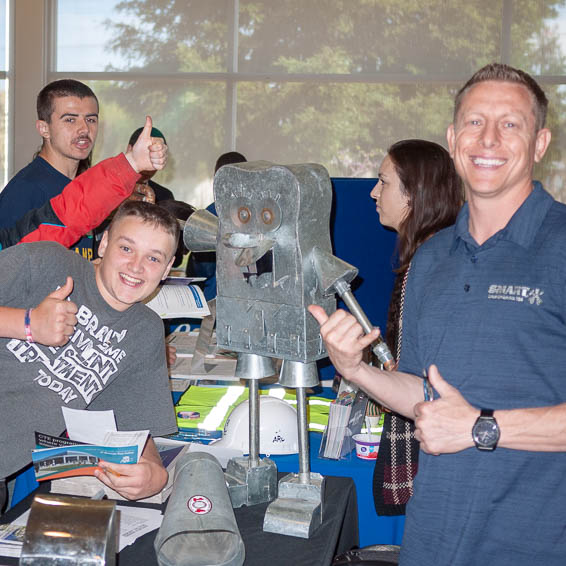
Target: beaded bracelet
27,326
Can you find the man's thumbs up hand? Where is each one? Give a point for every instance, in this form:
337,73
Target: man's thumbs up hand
148,154
53,321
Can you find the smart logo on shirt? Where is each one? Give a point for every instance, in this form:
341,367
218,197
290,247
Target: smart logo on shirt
517,293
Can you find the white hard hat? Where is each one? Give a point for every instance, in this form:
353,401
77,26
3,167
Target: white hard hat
277,428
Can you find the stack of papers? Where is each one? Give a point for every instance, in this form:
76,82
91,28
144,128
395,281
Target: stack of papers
337,423
345,419
12,536
218,365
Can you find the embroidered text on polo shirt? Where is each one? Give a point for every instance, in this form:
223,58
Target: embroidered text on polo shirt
517,293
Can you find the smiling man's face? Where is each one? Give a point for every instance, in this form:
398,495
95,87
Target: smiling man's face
494,142
136,256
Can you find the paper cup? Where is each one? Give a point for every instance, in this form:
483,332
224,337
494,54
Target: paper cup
367,446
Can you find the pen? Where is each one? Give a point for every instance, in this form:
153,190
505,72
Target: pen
113,472
109,470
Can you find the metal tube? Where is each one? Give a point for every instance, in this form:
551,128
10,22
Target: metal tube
380,348
357,311
254,423
303,430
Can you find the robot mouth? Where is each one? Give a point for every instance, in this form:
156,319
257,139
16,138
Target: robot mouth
253,246
260,273
255,258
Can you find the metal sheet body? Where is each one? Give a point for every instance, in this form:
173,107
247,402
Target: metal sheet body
279,213
64,531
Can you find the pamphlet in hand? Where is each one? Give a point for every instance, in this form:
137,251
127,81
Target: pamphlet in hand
56,457
179,301
170,452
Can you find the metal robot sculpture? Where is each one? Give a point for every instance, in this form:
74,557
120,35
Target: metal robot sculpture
274,259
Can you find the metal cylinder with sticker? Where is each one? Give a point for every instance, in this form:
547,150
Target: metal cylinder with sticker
199,527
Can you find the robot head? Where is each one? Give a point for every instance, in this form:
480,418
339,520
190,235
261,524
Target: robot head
271,218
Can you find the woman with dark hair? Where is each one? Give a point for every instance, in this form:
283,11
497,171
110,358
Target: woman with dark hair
417,194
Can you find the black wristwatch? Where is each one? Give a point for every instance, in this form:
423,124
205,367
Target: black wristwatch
485,431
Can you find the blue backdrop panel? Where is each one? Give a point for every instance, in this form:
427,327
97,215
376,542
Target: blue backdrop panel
359,238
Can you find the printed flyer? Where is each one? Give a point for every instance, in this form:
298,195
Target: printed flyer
56,457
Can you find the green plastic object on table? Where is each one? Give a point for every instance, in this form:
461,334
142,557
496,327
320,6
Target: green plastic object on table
214,404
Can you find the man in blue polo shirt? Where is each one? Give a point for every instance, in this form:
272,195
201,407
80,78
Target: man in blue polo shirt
485,316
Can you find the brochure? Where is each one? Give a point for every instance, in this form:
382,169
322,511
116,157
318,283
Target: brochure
68,458
12,536
179,301
220,367
56,457
186,344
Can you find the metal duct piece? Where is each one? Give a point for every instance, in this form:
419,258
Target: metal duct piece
201,229
297,374
330,269
252,366
199,527
334,276
63,530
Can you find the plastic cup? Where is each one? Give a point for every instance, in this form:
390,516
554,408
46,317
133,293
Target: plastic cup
367,446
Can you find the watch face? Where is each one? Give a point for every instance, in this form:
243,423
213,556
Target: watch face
486,432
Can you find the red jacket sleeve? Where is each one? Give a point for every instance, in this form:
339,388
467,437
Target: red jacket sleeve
85,202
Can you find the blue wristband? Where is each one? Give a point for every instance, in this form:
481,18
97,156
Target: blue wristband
27,326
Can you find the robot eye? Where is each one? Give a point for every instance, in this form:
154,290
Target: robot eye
244,214
267,216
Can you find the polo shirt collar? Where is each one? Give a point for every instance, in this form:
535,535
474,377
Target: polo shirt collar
522,227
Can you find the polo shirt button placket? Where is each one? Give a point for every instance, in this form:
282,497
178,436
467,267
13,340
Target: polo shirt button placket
473,259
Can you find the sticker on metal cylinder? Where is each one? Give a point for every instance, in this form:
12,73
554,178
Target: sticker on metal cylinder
199,505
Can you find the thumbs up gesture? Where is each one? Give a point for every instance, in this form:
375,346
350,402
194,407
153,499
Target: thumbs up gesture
445,424
148,154
53,321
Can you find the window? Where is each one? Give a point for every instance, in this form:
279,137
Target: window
325,81
4,101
